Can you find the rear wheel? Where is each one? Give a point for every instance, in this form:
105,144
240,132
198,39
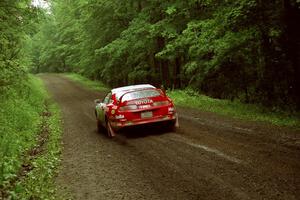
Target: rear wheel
99,126
171,126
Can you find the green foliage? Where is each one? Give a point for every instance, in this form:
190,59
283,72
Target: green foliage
22,99
230,49
16,21
192,99
19,119
39,183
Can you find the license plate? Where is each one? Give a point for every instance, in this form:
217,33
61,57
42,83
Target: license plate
146,114
144,106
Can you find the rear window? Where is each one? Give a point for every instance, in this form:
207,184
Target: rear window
140,94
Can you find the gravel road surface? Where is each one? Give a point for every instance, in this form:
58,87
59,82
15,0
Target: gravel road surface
209,156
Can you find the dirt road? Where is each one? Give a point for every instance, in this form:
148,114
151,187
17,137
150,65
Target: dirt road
209,157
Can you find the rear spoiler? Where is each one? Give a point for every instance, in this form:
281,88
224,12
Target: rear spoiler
160,91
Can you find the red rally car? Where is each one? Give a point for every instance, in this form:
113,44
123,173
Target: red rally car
134,105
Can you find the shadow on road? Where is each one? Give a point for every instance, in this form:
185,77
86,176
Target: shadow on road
142,131
145,130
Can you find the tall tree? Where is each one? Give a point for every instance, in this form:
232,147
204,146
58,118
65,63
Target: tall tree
245,49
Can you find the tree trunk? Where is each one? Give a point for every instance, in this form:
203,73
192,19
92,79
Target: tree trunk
292,46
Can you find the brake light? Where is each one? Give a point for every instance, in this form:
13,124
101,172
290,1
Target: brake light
171,109
129,107
161,103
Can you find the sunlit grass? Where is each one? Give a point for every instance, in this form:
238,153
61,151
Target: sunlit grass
95,85
233,108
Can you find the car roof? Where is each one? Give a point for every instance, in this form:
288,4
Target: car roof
131,88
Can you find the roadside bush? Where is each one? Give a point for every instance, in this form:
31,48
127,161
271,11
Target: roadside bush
19,118
237,109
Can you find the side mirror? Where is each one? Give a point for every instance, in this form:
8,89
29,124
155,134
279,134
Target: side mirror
97,101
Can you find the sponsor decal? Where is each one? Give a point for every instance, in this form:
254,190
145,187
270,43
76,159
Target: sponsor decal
144,101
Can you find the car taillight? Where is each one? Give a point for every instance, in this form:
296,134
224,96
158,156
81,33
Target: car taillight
161,103
171,109
129,107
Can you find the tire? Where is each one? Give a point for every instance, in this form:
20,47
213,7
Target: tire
171,126
98,123
99,126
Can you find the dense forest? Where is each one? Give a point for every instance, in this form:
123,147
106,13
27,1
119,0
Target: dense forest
22,104
234,49
241,50
16,24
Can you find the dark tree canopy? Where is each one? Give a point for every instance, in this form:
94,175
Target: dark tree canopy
17,24
235,49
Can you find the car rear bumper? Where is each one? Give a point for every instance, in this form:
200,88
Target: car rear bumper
120,124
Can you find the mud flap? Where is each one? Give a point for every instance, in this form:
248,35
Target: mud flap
111,130
177,122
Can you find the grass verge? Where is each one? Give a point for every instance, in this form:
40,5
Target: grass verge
95,85
234,109
29,143
188,98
